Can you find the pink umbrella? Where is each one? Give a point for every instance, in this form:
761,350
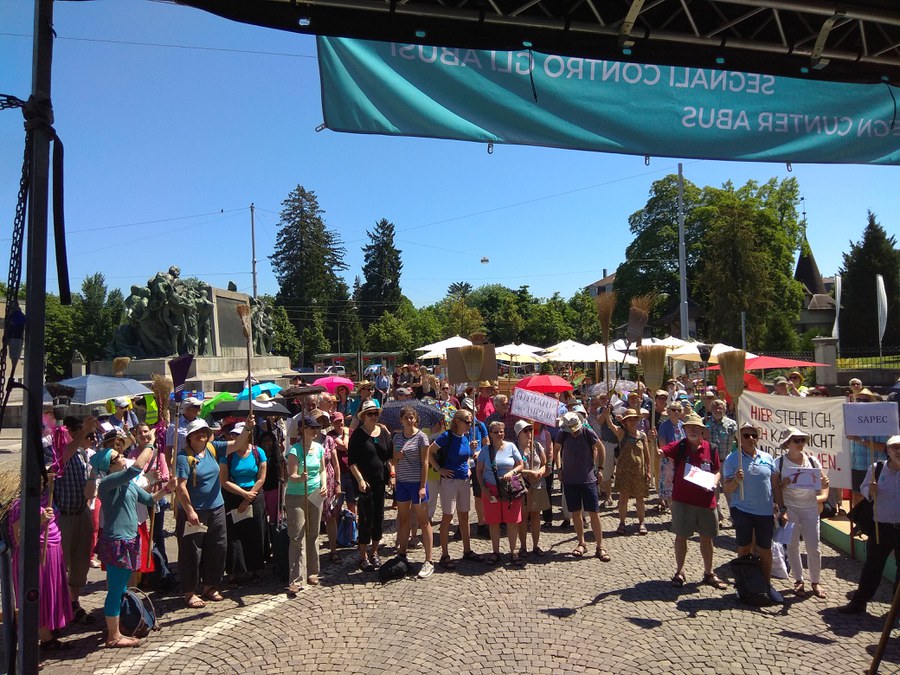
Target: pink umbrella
332,382
546,384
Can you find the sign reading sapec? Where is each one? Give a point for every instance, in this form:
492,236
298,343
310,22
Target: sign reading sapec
529,98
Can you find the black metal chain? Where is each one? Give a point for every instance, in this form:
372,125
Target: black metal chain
14,280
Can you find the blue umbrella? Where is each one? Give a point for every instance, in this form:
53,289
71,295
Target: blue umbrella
269,388
99,388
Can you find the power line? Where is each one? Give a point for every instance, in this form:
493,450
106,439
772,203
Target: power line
132,43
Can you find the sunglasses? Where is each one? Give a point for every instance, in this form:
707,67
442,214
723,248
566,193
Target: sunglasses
748,435
372,413
114,458
798,439
469,422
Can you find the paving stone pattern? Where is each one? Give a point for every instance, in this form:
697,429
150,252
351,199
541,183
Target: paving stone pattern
557,615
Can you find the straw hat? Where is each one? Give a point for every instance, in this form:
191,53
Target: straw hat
630,412
366,407
693,420
364,384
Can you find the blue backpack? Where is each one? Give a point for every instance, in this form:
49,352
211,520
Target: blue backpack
137,619
347,534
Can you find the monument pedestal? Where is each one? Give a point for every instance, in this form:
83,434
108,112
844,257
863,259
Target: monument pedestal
209,373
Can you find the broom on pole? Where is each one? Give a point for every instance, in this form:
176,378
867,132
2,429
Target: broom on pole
162,389
606,303
731,364
638,316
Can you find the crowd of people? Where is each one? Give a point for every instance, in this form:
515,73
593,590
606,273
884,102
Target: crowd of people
231,484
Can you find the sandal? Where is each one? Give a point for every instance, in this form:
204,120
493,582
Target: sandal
621,529
642,530
471,556
712,580
799,589
213,595
538,551
579,551
492,559
818,592
602,554
123,641
194,602
293,590
515,559
678,580
447,562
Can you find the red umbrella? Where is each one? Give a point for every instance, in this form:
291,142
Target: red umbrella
750,384
764,362
546,384
332,382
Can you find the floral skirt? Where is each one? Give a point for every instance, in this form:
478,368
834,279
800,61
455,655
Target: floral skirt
124,553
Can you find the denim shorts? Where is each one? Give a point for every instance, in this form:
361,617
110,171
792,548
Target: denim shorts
409,492
748,524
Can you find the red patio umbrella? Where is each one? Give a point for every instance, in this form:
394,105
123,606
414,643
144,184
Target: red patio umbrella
545,384
764,362
750,384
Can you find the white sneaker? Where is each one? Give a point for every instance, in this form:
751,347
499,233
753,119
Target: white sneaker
426,571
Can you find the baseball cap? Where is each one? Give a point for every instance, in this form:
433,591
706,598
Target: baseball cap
521,425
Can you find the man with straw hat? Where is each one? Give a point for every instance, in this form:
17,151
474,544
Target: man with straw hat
752,506
693,506
886,490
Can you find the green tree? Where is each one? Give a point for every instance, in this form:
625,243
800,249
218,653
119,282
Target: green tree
459,289
876,253
96,315
462,319
424,324
59,334
380,292
313,340
547,323
583,317
651,259
390,334
306,262
287,342
499,307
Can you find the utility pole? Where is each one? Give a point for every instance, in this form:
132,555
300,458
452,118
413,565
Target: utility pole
29,538
253,244
682,258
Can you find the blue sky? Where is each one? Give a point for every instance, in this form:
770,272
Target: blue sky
167,146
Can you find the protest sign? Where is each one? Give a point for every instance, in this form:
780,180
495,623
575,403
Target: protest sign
870,419
821,418
534,406
697,476
801,477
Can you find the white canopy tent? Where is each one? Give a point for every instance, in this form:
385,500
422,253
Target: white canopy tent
689,352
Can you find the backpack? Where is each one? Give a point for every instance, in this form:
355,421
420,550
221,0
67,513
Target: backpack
749,582
193,461
862,516
347,534
393,570
138,616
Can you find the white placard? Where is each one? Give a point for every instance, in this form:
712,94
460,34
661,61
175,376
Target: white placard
697,476
194,529
871,419
821,418
532,405
805,478
237,516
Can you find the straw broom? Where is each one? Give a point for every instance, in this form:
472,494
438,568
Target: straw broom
606,304
653,361
120,365
638,316
731,364
244,314
162,389
472,357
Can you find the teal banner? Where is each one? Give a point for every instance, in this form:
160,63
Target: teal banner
528,98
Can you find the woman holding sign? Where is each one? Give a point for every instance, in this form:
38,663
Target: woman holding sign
799,502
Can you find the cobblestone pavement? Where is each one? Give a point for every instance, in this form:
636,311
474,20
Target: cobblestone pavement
558,614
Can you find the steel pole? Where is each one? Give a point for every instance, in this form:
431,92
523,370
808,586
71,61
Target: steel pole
36,287
253,244
682,259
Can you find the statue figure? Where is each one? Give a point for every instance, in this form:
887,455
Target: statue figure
173,315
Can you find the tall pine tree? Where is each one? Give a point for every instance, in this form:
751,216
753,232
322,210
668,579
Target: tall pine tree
306,261
380,292
875,254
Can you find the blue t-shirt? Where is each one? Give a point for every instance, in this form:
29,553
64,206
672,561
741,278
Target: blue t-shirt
506,458
669,432
203,480
758,472
242,471
456,453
